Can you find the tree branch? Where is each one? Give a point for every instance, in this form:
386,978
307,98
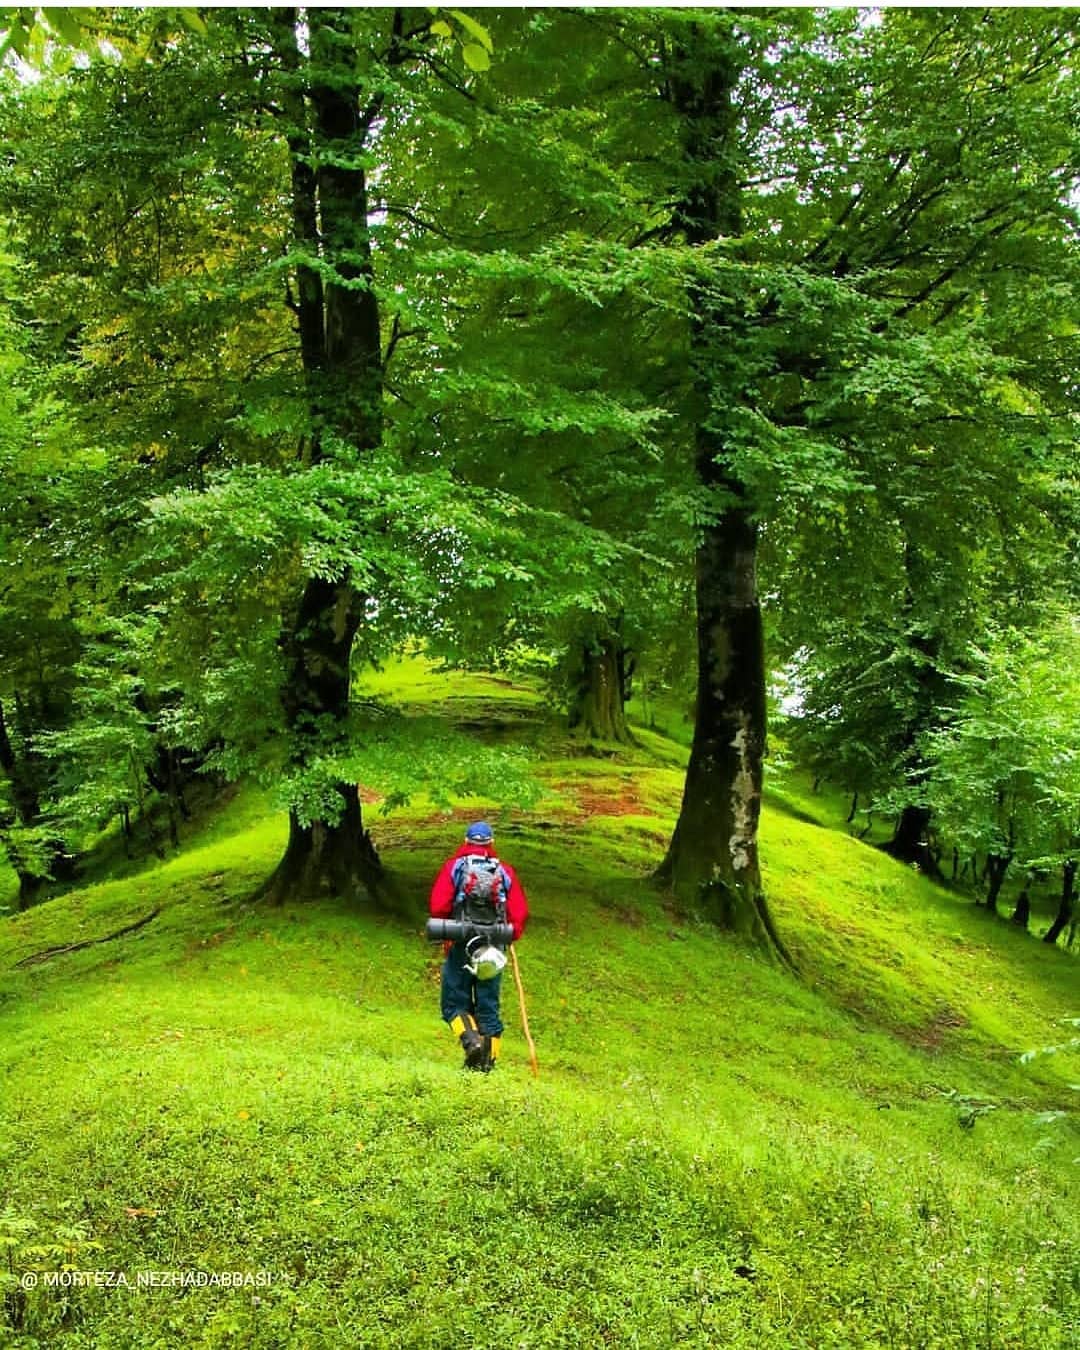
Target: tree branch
949,272
421,224
399,334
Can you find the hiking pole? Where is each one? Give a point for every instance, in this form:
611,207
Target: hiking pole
524,1014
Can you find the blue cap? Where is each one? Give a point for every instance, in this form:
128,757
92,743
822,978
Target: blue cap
479,833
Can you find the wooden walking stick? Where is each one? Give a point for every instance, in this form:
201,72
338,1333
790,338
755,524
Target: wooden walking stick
524,1014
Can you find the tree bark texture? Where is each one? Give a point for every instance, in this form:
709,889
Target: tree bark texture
338,322
598,700
712,861
324,858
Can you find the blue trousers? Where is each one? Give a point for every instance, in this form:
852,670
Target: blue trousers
462,992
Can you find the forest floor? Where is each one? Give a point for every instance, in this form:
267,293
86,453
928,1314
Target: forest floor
715,1153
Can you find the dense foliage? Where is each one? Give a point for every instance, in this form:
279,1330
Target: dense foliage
615,344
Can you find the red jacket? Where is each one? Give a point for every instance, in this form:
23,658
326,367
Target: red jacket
442,893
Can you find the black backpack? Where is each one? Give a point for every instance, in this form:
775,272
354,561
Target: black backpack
480,886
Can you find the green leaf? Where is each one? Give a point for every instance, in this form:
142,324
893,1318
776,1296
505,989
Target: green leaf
442,29
475,56
17,40
477,30
66,26
193,19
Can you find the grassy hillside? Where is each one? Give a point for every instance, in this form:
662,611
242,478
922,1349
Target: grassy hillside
713,1154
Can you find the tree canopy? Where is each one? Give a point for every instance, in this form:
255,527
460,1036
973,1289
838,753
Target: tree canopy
725,342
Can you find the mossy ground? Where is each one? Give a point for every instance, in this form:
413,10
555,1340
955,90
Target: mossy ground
714,1153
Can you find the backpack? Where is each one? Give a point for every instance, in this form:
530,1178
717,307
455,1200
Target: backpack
480,886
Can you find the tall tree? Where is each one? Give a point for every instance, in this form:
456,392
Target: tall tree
39,642
713,856
330,120
953,217
523,381
854,332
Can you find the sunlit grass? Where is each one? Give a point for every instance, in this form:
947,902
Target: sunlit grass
713,1154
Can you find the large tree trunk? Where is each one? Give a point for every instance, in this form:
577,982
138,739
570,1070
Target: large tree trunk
353,352
324,860
598,703
338,321
910,842
712,862
997,865
324,856
1068,900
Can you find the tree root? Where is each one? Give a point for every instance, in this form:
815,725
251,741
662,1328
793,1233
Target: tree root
36,958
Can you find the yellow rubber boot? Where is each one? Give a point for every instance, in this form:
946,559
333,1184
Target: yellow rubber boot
474,1045
493,1054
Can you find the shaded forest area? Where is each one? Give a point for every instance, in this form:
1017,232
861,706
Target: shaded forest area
721,359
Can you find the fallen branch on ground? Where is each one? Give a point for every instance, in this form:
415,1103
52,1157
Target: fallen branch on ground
49,952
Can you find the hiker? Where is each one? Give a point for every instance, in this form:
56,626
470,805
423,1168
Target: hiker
475,886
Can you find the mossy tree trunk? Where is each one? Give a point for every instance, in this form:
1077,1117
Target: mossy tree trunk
324,858
598,699
712,862
338,321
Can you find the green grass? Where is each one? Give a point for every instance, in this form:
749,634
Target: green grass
713,1154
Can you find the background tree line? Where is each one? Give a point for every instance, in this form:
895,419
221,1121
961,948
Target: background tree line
688,347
